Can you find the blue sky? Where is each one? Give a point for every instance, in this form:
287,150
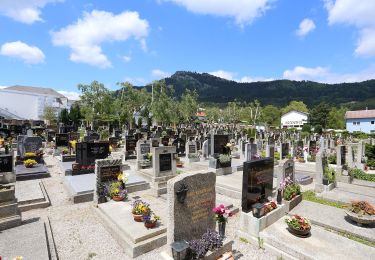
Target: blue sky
61,43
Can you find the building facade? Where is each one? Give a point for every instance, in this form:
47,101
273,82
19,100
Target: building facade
29,102
360,121
294,119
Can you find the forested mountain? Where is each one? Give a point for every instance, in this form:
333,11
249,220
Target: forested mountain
212,89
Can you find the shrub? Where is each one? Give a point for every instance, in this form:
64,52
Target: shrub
371,163
224,158
277,156
370,151
291,191
210,240
361,175
332,159
329,173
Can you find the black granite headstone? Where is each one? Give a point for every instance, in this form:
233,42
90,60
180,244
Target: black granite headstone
6,163
62,140
257,182
165,162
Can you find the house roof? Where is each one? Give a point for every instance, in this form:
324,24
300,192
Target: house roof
36,90
360,114
296,112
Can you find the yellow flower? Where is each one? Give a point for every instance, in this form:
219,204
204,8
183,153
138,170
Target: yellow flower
119,177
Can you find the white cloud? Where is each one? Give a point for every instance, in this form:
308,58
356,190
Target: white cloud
305,73
233,76
305,27
137,81
223,74
127,58
325,75
25,11
86,35
20,50
359,14
243,11
71,95
159,73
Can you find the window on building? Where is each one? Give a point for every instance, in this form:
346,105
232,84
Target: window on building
358,123
372,122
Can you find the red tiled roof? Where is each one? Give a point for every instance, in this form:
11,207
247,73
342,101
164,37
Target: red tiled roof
360,114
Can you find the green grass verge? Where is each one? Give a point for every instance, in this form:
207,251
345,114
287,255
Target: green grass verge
310,196
352,237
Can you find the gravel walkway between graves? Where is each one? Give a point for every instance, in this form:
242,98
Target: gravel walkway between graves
79,235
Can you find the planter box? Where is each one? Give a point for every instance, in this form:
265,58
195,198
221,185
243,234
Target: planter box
320,187
7,195
290,204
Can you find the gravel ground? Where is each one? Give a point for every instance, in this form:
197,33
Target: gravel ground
79,235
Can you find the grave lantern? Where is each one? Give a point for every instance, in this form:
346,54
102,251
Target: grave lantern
179,249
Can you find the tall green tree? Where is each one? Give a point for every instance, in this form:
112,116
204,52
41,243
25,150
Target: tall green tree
271,115
163,103
95,99
75,114
319,115
49,114
64,116
189,105
213,114
295,105
336,118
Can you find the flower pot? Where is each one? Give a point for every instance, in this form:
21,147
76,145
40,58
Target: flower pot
150,224
138,218
221,226
299,232
118,198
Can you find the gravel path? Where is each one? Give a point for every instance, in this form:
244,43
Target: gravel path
79,235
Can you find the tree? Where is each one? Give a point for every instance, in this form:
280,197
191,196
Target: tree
319,115
271,115
95,101
336,118
295,105
163,103
213,114
75,114
189,104
64,116
232,112
251,112
49,114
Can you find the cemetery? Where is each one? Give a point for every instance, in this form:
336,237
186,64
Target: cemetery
236,188
264,149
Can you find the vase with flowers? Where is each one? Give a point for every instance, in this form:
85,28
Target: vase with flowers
222,214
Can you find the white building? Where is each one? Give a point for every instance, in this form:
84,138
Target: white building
293,119
360,121
29,102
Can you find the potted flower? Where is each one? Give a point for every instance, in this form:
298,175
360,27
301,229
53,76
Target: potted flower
140,209
361,212
150,220
268,207
65,151
291,191
224,160
298,225
29,163
117,192
222,214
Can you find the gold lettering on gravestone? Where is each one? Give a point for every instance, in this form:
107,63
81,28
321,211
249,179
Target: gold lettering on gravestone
200,203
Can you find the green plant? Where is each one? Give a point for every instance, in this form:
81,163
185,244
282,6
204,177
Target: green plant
329,173
310,196
116,190
276,156
140,207
263,154
298,222
291,191
371,163
332,158
311,158
361,175
288,156
224,158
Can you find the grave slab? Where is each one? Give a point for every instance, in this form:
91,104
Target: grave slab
27,240
37,172
132,236
322,244
333,218
31,194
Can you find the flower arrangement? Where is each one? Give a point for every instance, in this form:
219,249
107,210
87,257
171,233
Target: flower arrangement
73,144
29,163
140,207
222,213
211,240
269,207
65,151
362,208
30,154
151,220
298,223
123,177
149,156
224,158
116,192
287,181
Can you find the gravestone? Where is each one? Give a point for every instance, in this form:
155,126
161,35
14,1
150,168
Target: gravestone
164,167
312,147
257,182
6,163
286,170
20,147
51,136
130,147
62,140
270,150
87,153
284,150
299,149
32,144
179,143
251,151
73,136
106,171
218,144
191,198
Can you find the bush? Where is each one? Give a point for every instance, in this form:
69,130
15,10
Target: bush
332,159
277,156
371,163
370,151
329,173
359,135
306,128
311,158
291,191
361,175
318,129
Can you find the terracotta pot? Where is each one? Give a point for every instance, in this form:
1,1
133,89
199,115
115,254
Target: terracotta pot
299,232
118,198
150,224
138,218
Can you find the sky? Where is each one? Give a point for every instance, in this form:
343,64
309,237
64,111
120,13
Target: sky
61,43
